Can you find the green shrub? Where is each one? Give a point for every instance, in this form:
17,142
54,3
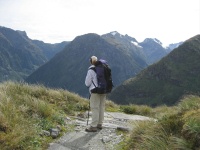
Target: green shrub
136,109
128,109
172,123
111,106
160,111
189,102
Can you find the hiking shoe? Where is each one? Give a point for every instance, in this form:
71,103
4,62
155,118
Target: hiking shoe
91,129
99,126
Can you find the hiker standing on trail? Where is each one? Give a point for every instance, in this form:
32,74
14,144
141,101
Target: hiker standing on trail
97,101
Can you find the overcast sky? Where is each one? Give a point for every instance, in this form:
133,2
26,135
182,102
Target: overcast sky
53,21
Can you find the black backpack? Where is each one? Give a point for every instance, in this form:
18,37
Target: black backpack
104,78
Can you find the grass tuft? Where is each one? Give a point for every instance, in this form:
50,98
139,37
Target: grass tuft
178,127
136,109
26,110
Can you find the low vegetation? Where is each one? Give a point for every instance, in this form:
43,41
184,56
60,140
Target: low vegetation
177,127
27,110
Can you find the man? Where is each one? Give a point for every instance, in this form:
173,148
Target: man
97,101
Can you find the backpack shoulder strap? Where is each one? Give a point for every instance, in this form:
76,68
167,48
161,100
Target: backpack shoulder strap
93,68
94,84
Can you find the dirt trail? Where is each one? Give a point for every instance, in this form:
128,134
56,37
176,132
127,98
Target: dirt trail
104,139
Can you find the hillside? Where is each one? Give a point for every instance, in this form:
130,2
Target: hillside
20,56
128,45
36,110
69,67
167,81
26,111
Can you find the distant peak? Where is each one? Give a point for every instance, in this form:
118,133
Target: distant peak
22,33
114,33
157,41
152,40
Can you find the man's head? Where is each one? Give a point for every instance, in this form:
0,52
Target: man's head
93,60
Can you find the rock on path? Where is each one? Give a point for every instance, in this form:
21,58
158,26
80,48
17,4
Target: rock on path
104,139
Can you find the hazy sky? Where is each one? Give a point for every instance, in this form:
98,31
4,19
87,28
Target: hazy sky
54,21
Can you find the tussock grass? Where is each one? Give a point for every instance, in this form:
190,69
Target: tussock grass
178,127
26,110
111,106
157,112
136,109
188,103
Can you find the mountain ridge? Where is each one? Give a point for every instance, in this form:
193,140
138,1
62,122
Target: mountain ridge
126,49
20,56
78,52
166,81
68,68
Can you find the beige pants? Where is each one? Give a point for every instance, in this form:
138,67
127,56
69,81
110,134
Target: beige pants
97,105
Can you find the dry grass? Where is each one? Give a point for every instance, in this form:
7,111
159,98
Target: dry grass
137,109
177,128
27,110
111,106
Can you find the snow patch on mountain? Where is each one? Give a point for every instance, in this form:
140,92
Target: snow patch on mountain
136,44
157,41
114,33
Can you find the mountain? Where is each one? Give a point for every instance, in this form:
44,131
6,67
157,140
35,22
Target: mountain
166,81
20,56
49,50
68,68
172,46
127,45
153,50
150,50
